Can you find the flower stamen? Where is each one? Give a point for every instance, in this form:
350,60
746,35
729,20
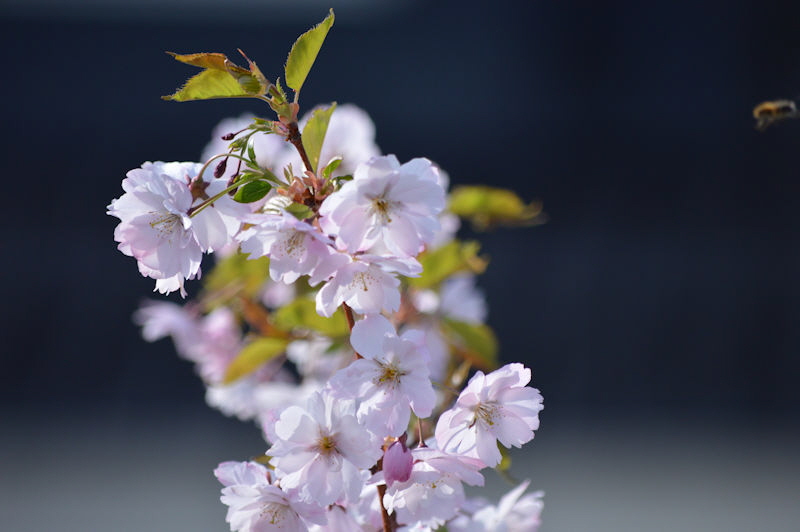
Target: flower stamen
382,208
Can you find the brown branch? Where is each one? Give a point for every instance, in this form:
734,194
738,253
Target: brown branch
389,521
296,139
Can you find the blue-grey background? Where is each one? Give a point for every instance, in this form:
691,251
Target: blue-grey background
659,308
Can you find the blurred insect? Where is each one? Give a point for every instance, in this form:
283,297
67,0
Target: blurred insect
768,113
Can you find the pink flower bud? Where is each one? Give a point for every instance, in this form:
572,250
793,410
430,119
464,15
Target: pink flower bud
397,462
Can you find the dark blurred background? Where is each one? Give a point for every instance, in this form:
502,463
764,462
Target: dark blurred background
659,308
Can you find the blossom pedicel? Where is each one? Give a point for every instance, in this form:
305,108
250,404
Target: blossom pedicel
341,314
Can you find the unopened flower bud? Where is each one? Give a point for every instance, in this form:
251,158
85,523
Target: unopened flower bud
397,462
220,169
228,136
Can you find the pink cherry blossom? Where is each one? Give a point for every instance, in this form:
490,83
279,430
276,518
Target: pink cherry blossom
254,395
210,341
160,319
317,357
155,227
339,520
434,492
514,513
494,407
256,505
294,247
365,282
322,451
389,381
216,225
458,299
392,205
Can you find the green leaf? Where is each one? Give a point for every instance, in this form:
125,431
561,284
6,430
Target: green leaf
505,459
314,133
207,85
487,207
475,342
251,148
236,275
304,52
280,90
252,191
331,167
214,61
302,313
442,262
252,356
300,211
220,79
339,179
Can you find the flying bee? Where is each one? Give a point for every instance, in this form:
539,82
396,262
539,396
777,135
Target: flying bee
768,113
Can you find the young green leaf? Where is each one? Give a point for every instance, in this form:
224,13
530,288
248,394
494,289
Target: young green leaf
304,52
214,61
341,179
252,356
475,342
331,167
300,211
314,133
207,85
487,207
442,262
220,79
235,275
505,460
252,191
302,313
251,148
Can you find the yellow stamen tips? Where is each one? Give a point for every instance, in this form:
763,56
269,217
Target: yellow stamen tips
326,445
487,412
390,374
165,223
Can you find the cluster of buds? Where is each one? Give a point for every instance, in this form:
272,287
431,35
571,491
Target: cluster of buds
341,315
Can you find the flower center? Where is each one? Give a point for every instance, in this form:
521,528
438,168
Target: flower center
326,445
165,224
364,279
293,245
382,208
274,513
487,413
390,375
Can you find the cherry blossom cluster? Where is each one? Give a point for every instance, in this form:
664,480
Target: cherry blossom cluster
341,315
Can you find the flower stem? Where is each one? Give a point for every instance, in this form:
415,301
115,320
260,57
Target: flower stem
195,210
389,521
217,156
